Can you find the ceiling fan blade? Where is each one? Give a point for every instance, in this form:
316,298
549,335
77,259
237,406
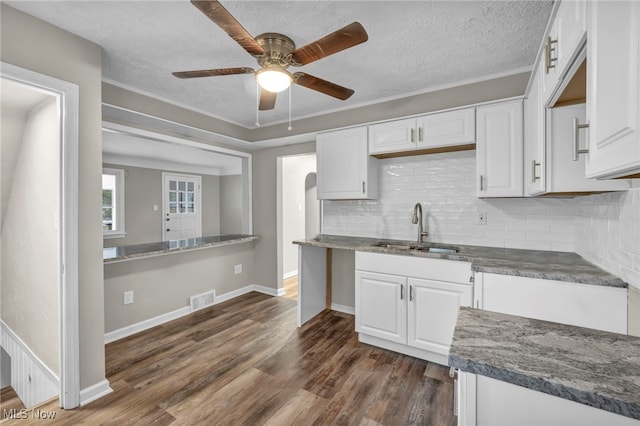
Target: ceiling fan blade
323,86
344,38
267,100
225,20
213,72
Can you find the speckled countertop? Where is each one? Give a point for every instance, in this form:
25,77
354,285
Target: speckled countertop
550,265
136,251
592,367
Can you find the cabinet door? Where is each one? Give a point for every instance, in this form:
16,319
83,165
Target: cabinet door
563,174
583,305
447,129
381,309
534,147
345,169
500,149
571,26
433,311
393,136
613,88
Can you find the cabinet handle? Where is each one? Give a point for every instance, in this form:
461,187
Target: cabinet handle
401,292
481,183
576,139
420,138
410,293
363,186
549,61
534,178
413,135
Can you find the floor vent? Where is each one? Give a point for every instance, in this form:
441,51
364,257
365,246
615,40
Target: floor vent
203,300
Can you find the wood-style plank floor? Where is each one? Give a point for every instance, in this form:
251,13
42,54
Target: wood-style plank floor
245,362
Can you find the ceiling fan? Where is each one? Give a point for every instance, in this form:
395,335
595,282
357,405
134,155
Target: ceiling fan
276,52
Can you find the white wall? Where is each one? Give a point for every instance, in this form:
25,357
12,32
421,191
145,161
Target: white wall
294,173
29,272
445,184
33,44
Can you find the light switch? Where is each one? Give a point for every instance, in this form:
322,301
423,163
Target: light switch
155,207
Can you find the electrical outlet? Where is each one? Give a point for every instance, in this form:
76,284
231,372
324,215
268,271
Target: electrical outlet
482,218
128,297
238,268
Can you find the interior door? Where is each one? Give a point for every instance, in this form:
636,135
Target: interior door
182,210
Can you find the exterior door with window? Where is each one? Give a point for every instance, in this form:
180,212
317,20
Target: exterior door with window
182,215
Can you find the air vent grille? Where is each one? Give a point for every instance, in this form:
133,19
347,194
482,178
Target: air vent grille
200,301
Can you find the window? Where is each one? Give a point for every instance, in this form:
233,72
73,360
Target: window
113,203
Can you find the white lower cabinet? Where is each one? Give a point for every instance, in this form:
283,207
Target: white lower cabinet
582,305
410,304
485,401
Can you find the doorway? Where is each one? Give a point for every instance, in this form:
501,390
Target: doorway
298,214
39,199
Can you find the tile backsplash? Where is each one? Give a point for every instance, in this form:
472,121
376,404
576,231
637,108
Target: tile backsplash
604,229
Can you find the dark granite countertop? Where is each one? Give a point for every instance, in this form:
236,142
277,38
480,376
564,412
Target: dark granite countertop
550,265
136,251
592,367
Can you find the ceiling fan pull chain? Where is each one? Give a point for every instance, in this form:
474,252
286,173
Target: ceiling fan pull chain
289,128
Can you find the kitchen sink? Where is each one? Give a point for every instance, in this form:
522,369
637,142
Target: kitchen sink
426,247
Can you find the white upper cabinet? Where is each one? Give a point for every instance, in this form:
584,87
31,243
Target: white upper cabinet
534,152
499,152
345,169
566,38
421,135
613,89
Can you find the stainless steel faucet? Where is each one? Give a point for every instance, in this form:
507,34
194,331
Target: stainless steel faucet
417,219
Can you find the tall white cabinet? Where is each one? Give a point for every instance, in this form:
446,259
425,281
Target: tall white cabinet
613,89
345,169
500,149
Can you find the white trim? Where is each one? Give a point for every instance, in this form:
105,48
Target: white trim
68,103
132,329
93,392
344,309
119,208
42,383
289,274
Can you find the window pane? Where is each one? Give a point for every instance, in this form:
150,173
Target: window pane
107,198
181,196
182,186
190,196
190,208
173,208
173,196
183,208
190,186
107,219
172,185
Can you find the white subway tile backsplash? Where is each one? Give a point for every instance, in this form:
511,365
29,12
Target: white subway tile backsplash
604,229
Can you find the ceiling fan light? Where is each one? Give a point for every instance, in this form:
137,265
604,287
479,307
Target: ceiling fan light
273,79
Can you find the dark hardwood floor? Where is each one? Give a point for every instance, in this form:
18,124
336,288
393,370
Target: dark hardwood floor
245,362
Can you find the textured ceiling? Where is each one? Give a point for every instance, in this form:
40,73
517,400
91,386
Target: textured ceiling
413,46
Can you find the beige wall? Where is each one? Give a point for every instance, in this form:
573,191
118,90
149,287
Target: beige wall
265,202
143,190
163,284
30,276
30,43
231,204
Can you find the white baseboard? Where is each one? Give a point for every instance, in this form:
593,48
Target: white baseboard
344,309
94,392
289,274
132,329
129,330
31,379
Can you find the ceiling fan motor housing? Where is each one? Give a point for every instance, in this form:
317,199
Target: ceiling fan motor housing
277,50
